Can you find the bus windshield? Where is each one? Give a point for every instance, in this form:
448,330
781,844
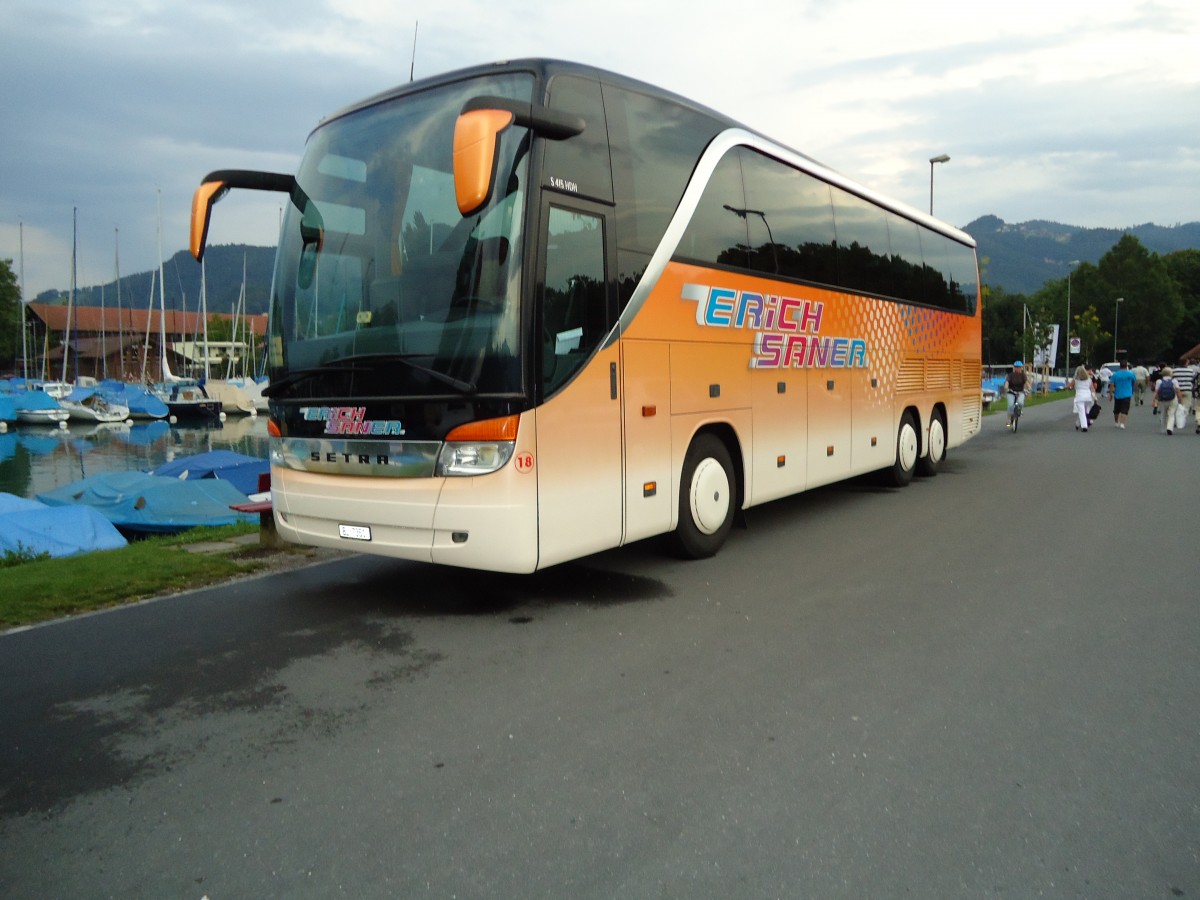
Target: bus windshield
382,288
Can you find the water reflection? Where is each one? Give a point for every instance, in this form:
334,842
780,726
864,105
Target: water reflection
34,458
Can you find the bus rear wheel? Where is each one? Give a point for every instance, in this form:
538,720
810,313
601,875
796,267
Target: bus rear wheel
928,465
707,499
908,449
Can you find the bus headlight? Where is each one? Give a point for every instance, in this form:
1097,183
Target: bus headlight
477,448
474,457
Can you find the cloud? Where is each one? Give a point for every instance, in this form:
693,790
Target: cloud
1047,111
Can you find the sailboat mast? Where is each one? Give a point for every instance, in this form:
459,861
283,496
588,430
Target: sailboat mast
204,314
165,373
245,328
117,275
103,345
21,298
71,295
149,320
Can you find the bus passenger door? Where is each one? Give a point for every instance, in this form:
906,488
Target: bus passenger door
578,459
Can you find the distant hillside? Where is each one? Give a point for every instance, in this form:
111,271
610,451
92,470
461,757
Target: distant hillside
1022,257
181,277
1019,258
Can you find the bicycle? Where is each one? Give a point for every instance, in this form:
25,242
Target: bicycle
1016,409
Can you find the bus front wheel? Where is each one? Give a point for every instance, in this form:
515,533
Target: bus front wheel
908,448
707,499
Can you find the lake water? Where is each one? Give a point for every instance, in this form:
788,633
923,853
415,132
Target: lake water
34,459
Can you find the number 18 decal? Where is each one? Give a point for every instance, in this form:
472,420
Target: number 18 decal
524,462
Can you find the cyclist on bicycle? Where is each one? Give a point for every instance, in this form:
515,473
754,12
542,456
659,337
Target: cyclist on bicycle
1016,385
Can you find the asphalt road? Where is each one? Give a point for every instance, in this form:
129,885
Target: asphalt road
984,684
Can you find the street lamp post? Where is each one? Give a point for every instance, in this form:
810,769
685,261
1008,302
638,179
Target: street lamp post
1116,321
1070,271
936,159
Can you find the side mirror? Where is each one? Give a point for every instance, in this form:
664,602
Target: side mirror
481,122
206,195
216,185
475,155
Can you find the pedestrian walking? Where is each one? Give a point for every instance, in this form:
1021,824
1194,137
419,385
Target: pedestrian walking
1142,375
1122,382
1166,400
1196,392
1184,377
1081,383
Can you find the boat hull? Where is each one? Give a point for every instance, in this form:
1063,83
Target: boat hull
194,410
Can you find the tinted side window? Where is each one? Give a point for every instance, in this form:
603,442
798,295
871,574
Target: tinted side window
655,145
791,220
575,305
582,160
717,232
911,278
863,245
956,270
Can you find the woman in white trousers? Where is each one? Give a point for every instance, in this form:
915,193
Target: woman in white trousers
1084,398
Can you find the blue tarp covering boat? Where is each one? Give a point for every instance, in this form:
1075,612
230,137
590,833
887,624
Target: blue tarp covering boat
144,503
29,526
142,404
8,409
243,472
238,469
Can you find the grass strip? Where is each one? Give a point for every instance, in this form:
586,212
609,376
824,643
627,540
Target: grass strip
1000,404
45,589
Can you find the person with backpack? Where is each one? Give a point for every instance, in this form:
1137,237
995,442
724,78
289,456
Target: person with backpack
1166,400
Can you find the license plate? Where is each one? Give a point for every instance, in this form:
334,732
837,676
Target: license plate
355,532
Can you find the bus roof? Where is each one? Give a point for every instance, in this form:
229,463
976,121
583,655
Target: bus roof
543,69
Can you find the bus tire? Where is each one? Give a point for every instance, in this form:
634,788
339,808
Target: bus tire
908,449
928,465
707,499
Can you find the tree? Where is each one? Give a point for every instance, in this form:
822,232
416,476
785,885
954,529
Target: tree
219,328
1035,340
1091,335
1003,318
1151,309
10,317
1062,299
1184,268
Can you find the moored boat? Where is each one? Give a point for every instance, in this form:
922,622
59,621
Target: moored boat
244,472
141,503
187,402
38,408
8,410
233,397
32,527
91,405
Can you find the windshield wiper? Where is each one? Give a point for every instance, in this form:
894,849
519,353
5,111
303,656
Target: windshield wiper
299,375
367,360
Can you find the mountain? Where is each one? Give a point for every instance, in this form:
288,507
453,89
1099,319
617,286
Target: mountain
1022,257
1017,257
181,277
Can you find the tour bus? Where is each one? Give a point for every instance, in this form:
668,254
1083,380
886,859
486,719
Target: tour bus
529,311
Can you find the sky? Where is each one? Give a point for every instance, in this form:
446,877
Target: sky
112,110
